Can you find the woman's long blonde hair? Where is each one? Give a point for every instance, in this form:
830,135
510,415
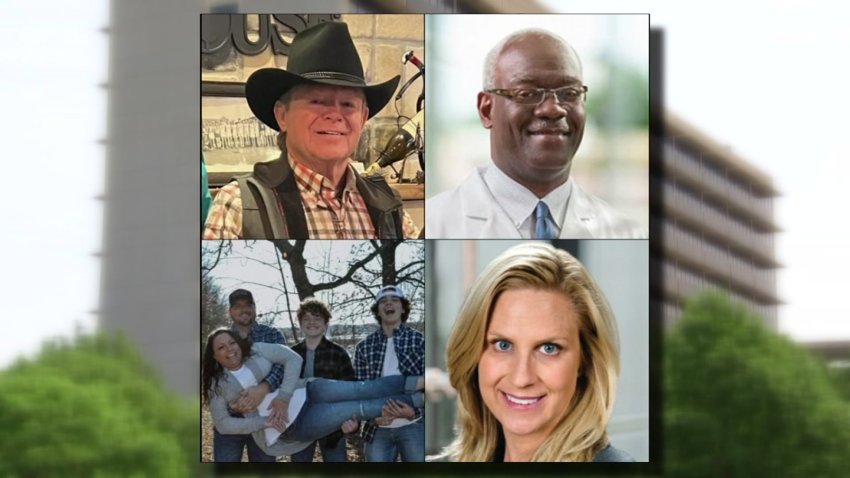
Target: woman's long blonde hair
581,432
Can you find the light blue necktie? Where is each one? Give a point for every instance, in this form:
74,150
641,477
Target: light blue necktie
545,229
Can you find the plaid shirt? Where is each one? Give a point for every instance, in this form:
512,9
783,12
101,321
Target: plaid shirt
329,361
268,335
327,216
369,360
224,220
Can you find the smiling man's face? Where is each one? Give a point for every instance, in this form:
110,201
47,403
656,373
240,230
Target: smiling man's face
243,312
390,311
534,144
313,325
323,123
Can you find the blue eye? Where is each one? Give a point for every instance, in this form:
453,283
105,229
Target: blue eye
550,349
502,345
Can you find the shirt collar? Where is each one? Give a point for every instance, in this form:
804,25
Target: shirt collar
397,332
315,183
519,203
322,344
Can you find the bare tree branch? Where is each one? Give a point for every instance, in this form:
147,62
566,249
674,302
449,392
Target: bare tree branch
213,257
346,280
348,275
286,295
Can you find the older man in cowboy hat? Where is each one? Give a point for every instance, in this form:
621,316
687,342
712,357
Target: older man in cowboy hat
320,106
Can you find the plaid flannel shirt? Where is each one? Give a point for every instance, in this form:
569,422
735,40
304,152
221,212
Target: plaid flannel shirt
268,335
327,216
329,361
369,360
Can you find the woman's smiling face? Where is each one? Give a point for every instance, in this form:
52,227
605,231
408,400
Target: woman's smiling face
227,351
528,371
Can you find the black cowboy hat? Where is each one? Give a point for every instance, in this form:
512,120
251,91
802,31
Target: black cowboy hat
322,54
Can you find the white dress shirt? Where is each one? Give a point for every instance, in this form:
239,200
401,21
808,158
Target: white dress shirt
519,203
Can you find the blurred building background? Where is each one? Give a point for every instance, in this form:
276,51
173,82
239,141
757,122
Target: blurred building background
150,271
836,353
717,227
621,269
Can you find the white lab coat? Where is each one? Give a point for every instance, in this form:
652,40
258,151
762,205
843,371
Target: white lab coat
470,211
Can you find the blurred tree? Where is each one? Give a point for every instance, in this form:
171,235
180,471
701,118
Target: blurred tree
742,401
841,378
93,407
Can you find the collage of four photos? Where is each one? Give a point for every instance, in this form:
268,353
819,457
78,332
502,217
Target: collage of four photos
373,293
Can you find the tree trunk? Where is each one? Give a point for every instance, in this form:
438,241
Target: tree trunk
294,255
388,269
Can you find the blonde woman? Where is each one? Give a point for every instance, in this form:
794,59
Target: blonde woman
534,357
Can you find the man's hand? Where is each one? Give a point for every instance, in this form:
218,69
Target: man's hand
383,421
250,398
394,409
351,425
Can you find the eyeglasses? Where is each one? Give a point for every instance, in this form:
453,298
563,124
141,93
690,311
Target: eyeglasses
568,95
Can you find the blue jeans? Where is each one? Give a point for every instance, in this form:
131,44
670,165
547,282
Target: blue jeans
336,454
228,448
331,402
388,443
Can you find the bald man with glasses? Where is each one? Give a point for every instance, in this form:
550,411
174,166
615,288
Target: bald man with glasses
533,103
